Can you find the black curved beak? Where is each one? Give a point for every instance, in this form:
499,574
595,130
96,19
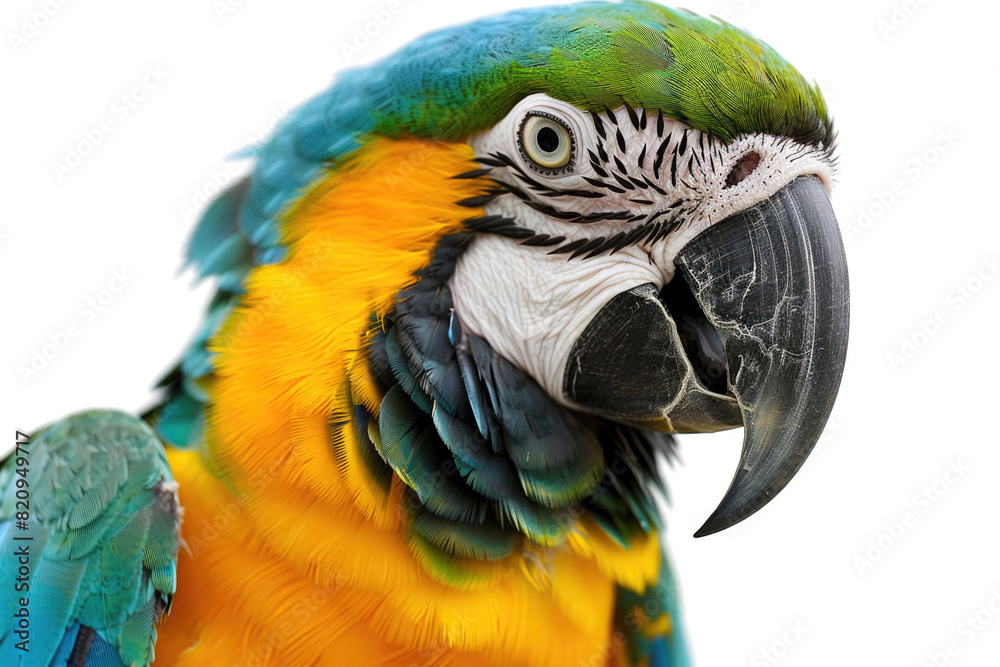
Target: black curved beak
762,302
773,281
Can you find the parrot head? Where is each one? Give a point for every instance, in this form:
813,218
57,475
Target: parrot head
613,223
657,249
649,273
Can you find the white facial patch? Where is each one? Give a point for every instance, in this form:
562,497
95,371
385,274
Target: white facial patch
638,186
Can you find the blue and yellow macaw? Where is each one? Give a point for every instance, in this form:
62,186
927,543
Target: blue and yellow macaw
465,297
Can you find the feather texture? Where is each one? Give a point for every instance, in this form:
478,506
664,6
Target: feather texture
103,541
295,506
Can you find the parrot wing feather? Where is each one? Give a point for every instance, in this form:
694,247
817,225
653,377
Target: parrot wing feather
97,553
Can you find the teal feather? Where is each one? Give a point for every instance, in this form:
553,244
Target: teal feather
466,443
232,252
178,419
413,450
486,542
470,376
216,226
558,460
561,486
400,366
368,443
106,527
540,525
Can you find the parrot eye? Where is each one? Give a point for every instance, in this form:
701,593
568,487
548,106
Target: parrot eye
546,143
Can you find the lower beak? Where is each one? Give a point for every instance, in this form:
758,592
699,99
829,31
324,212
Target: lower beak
761,298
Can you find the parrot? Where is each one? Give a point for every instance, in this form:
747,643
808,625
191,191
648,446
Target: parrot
465,299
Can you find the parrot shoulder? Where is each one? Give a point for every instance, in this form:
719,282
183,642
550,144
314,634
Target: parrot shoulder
89,523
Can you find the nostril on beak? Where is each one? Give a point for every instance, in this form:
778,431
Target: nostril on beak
743,168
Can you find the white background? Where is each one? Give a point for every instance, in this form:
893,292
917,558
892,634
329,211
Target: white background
924,88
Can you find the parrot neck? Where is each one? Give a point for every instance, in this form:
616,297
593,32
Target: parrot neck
290,364
346,374
302,483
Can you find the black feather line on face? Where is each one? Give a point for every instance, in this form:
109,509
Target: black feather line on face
540,188
639,184
475,173
543,240
602,152
599,125
625,184
481,200
568,216
588,247
632,115
491,161
654,185
611,116
602,184
495,224
659,156
569,247
516,191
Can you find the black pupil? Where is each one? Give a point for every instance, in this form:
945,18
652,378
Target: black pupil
548,139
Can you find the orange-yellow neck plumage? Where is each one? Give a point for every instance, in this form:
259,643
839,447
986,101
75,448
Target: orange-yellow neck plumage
295,555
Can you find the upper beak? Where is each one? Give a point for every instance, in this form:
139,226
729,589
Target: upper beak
760,297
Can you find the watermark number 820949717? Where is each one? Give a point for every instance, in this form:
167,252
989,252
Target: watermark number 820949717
22,538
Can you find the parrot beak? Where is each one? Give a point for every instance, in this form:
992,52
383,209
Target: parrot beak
754,333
